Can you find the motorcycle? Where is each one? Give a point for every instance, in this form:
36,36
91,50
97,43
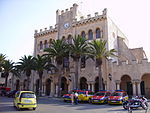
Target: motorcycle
135,102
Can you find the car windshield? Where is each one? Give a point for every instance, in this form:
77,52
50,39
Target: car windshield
100,94
81,92
116,94
27,95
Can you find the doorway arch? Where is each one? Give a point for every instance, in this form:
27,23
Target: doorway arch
96,86
145,85
83,83
48,87
64,85
126,84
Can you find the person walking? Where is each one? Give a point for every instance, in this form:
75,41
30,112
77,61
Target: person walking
76,98
72,98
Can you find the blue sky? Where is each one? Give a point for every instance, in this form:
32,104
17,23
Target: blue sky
19,19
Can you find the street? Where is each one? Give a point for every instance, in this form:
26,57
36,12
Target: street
56,105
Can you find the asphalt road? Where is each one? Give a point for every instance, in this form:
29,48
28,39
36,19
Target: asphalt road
56,105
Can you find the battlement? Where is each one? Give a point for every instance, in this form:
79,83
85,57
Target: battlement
45,31
61,12
88,19
134,62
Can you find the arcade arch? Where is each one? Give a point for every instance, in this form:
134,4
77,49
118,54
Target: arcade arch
83,83
145,85
126,84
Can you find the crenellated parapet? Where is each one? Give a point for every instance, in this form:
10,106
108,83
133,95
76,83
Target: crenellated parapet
45,31
89,19
134,62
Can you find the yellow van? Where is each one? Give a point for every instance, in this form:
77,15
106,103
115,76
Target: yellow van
25,99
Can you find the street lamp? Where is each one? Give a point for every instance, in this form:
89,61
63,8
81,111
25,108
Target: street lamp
110,76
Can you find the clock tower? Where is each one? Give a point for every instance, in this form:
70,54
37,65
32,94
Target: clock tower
64,20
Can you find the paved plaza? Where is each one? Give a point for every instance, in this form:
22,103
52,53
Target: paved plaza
56,105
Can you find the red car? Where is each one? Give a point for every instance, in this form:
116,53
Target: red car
101,97
67,97
118,97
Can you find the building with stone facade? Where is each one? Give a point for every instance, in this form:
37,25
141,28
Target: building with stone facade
130,71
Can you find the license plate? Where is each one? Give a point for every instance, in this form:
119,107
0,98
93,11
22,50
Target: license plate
95,100
27,101
113,101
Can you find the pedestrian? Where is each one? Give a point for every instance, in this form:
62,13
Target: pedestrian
72,98
76,98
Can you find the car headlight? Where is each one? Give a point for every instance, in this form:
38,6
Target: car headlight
102,98
120,98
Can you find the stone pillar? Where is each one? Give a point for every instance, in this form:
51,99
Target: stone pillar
139,88
89,86
117,84
134,88
93,87
56,89
52,89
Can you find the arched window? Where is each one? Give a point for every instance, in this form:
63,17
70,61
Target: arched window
98,33
69,40
50,42
45,44
83,34
41,45
90,35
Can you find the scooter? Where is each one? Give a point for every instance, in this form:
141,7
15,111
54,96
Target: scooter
135,102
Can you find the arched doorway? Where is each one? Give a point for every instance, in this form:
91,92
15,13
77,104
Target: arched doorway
145,85
37,87
96,86
126,84
64,85
83,83
25,84
17,85
48,87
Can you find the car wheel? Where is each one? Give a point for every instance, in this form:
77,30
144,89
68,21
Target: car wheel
34,108
90,101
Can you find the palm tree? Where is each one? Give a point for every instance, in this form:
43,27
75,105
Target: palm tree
77,49
98,49
58,50
2,59
27,65
42,64
8,67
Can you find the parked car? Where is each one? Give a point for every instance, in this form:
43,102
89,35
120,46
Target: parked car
101,97
4,90
11,93
67,97
85,96
25,99
118,97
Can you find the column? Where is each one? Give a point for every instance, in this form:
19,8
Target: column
117,84
89,86
139,88
52,89
56,90
134,88
92,87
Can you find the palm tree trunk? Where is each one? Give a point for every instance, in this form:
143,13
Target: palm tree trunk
100,77
59,81
6,78
40,86
28,82
77,74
